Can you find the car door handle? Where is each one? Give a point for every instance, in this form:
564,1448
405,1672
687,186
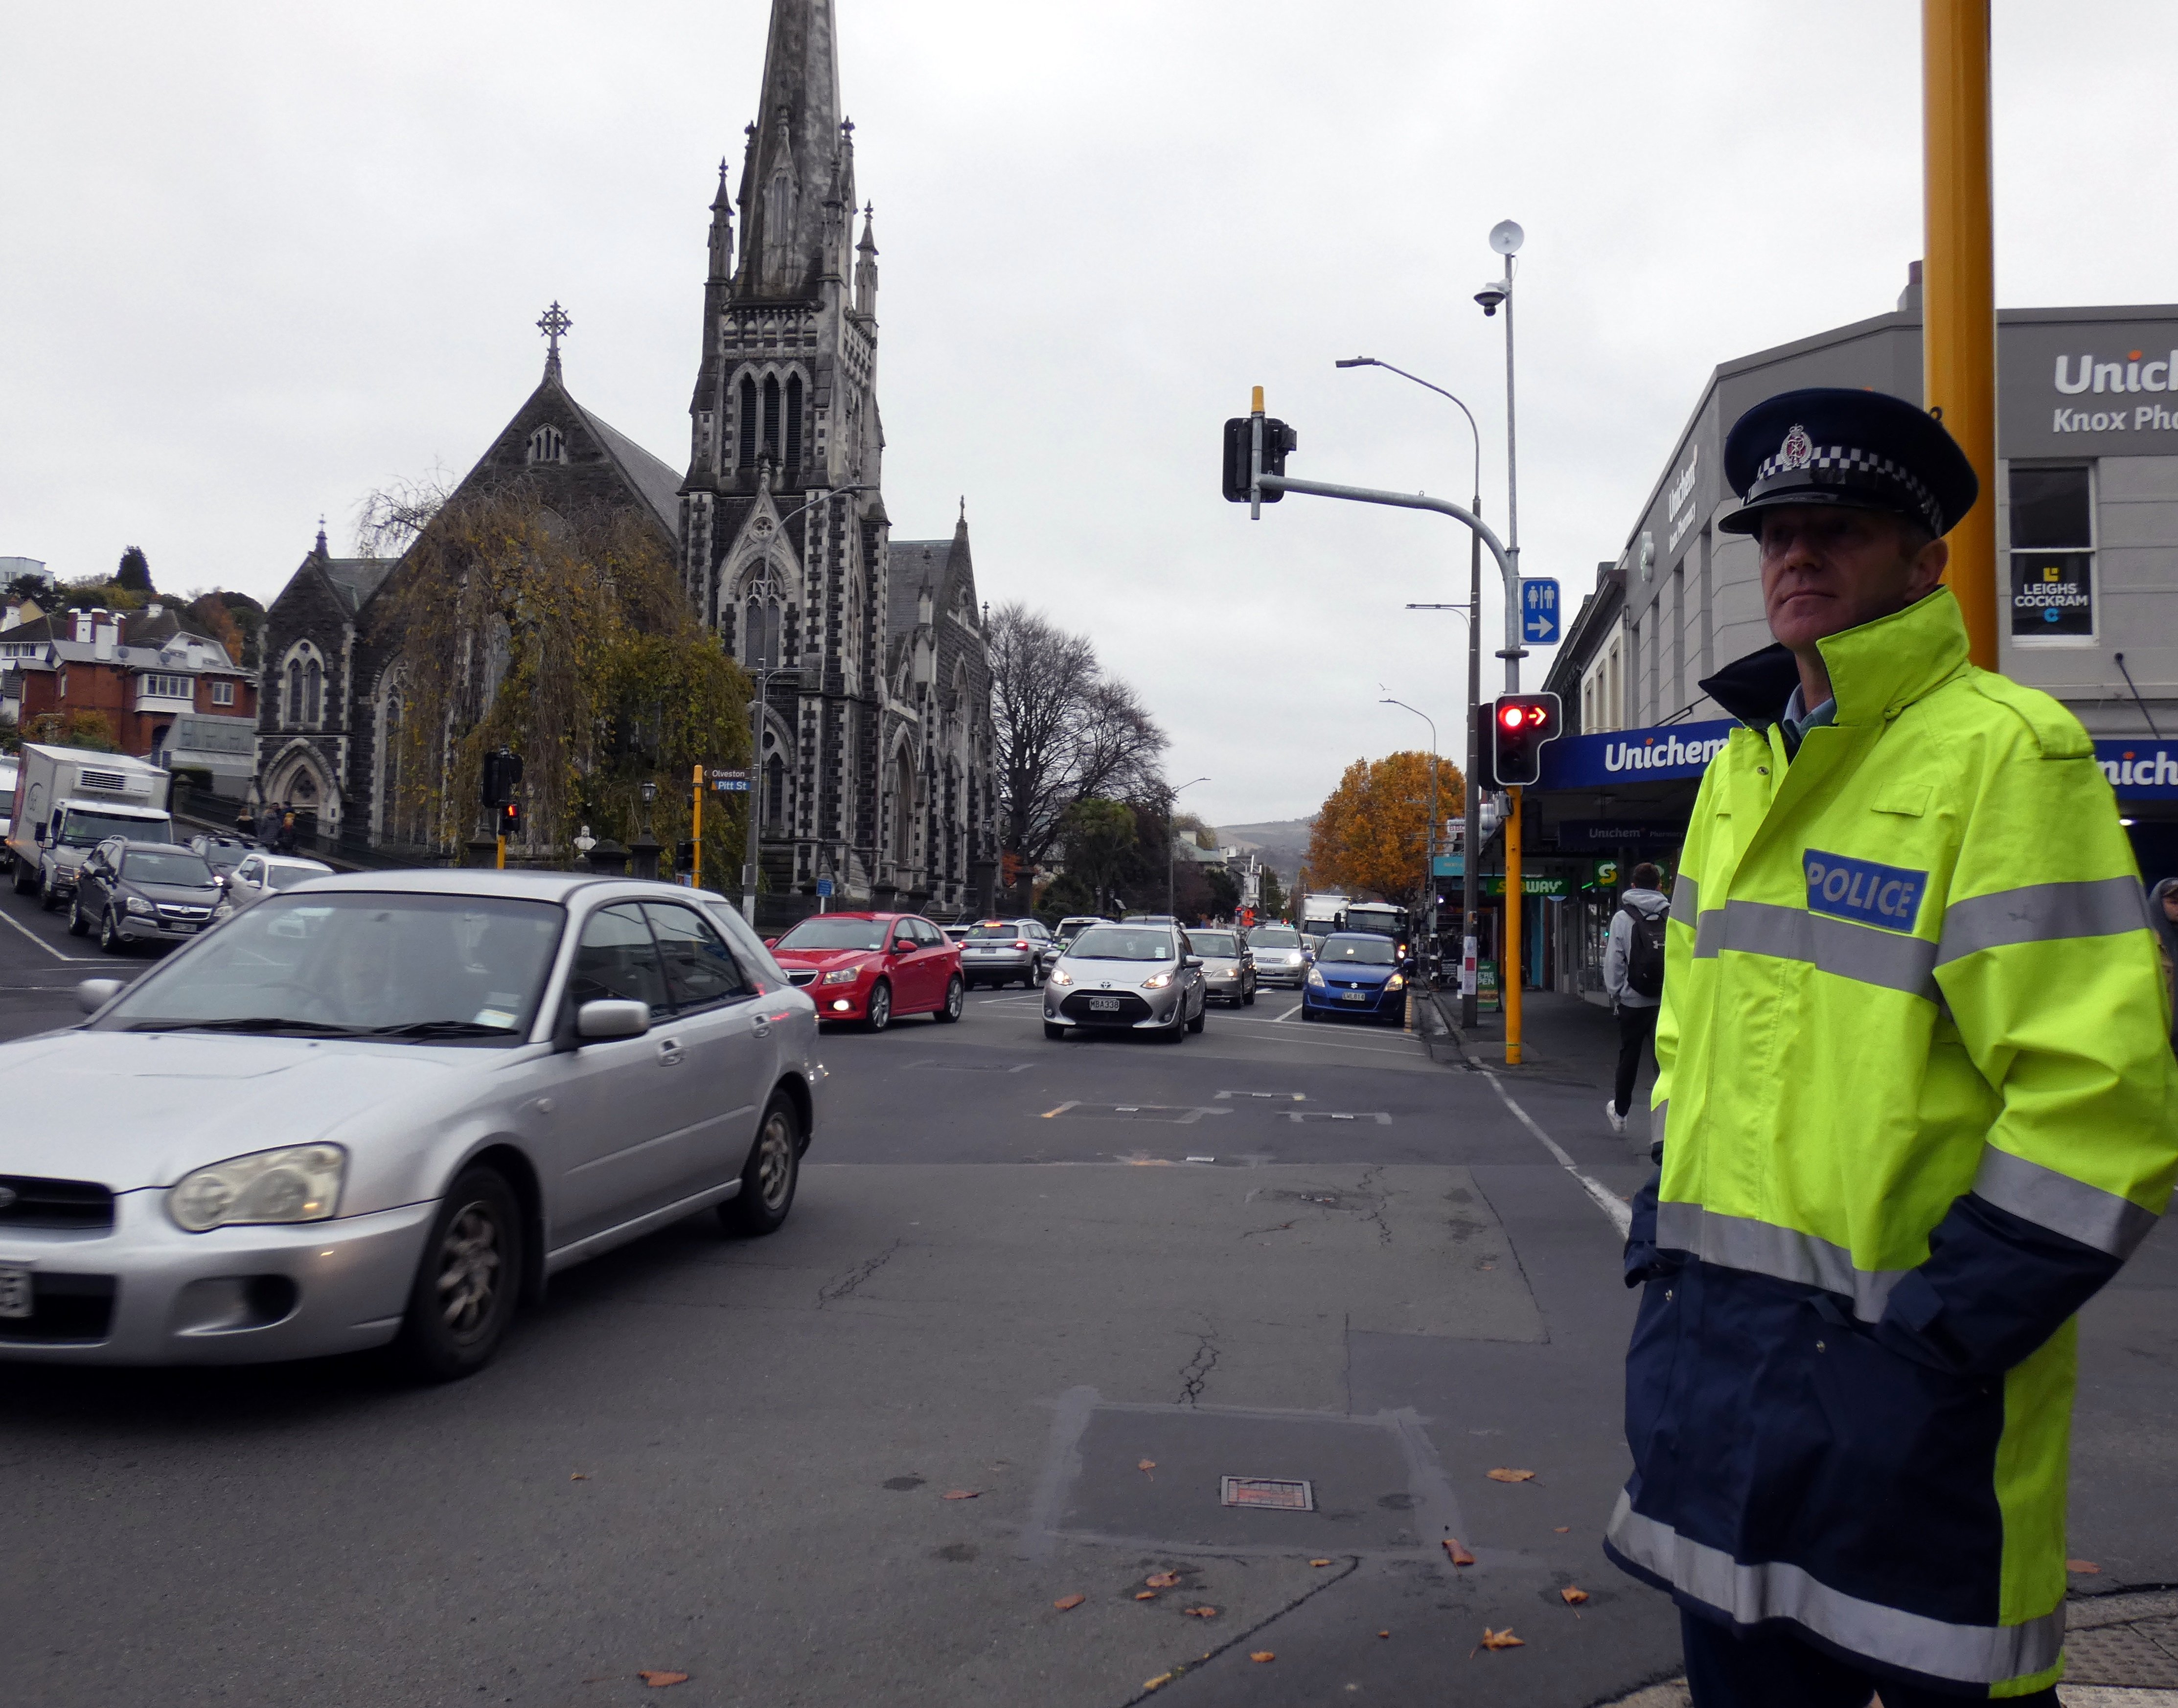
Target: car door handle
760,1024
669,1051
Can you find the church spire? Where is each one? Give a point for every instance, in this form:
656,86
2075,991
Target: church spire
722,230
796,163
866,268
553,323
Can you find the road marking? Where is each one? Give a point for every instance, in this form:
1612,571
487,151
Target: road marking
1288,1014
1617,1208
1291,1097
76,960
1060,1110
1299,1115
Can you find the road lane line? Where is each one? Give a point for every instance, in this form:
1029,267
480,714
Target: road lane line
1288,1014
1617,1208
77,960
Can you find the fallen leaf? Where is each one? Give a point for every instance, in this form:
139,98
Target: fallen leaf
1501,1639
1460,1556
1161,1580
1067,1604
1264,1655
969,1494
1161,1679
1383,1634
1147,1465
1200,1612
2081,1566
580,1476
1502,1475
1563,1530
1572,1597
1146,1595
1319,1562
659,1681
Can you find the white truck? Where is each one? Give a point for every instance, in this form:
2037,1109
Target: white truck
67,800
1323,913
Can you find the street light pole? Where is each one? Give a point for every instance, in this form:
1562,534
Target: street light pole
1170,794
1429,855
1469,891
1506,238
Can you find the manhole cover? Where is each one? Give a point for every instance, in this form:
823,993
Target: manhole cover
1278,1494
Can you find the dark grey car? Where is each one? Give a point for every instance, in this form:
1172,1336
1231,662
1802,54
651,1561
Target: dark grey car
142,892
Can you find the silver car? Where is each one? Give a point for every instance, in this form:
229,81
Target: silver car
386,1107
258,875
998,951
1126,977
1229,971
1280,957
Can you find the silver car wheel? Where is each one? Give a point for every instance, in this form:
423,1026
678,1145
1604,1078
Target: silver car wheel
774,1162
468,1270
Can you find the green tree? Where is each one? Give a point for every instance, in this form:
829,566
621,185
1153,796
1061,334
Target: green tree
1097,834
1273,903
135,571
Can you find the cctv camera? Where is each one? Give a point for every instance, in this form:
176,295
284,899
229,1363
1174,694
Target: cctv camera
1490,295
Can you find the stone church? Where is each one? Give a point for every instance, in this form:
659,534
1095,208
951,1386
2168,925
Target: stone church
873,735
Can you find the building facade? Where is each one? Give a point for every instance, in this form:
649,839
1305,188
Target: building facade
874,745
2086,519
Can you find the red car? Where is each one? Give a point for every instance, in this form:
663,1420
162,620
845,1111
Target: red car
873,966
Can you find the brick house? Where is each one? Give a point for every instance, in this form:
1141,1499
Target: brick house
170,694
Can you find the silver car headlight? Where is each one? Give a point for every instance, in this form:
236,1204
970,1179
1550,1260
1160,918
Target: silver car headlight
137,903
1157,981
300,1183
1059,975
1315,979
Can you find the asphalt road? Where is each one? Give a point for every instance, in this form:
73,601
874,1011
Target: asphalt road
1078,1284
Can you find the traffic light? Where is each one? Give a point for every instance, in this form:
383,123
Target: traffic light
684,856
502,777
509,814
1519,724
1279,439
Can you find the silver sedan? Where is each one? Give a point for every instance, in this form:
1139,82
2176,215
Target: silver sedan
1126,977
385,1107
1279,956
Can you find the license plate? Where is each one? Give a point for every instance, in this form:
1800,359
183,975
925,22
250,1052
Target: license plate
1104,1004
1356,996
173,925
14,1292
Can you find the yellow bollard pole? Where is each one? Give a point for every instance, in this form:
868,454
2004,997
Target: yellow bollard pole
696,830
1508,974
1958,288
502,854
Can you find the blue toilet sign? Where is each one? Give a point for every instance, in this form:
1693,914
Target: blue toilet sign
1539,612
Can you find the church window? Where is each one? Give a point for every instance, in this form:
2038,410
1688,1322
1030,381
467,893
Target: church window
771,417
903,812
745,456
774,792
294,691
313,680
760,634
793,422
546,445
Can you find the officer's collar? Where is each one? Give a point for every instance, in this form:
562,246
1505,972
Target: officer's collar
1875,668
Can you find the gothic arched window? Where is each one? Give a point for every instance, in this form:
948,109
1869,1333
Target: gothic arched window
760,633
771,417
774,792
903,812
793,422
313,682
294,692
745,447
546,445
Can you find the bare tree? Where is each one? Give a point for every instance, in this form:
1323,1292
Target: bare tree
1067,731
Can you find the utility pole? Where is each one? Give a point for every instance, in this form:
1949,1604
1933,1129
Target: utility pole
1171,833
1958,288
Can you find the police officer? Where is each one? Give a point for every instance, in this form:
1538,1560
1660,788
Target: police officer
1916,1106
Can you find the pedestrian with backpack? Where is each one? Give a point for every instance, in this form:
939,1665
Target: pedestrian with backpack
1633,979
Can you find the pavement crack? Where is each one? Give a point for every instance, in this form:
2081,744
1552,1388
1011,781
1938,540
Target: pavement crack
1346,1568
1196,1375
1375,1213
833,1291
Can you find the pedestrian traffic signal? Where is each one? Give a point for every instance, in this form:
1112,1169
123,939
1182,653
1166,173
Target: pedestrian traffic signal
509,814
1519,724
502,777
1279,439
684,856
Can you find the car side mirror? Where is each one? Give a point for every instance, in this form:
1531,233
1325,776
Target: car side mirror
610,1017
1193,961
94,994
771,943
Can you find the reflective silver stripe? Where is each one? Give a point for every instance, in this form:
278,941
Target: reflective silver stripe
1685,900
2043,913
1858,952
2060,1203
1773,1590
1763,1248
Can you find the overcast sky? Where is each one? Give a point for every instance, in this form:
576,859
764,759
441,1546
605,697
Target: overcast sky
256,261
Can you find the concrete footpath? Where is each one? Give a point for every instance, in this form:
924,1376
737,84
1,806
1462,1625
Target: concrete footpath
2122,1651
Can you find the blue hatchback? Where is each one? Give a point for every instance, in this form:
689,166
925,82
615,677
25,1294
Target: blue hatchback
1356,972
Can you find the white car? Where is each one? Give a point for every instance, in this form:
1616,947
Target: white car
260,875
384,1109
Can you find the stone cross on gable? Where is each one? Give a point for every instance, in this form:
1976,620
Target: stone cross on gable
553,323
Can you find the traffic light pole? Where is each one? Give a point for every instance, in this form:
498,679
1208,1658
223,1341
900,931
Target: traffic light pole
1509,973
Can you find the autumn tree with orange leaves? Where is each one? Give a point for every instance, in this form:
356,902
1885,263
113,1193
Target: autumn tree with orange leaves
1372,833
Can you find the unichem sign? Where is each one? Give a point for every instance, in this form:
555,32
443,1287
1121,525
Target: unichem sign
2140,770
2089,374
1671,752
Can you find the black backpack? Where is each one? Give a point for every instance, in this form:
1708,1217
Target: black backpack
1644,955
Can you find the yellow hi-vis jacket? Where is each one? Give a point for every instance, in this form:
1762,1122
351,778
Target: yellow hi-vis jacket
1918,1103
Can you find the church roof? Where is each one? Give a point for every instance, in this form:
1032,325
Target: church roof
355,579
659,486
914,565
799,163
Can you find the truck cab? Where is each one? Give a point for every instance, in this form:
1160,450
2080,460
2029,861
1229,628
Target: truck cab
68,800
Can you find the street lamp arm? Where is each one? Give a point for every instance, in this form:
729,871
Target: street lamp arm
1373,362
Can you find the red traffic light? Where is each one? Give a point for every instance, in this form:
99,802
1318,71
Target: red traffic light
1523,723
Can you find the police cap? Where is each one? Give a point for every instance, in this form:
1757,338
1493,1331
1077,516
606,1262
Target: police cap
1861,450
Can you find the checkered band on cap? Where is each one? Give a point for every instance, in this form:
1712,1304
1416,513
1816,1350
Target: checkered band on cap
1850,461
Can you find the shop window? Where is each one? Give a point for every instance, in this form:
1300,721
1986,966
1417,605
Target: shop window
2052,557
